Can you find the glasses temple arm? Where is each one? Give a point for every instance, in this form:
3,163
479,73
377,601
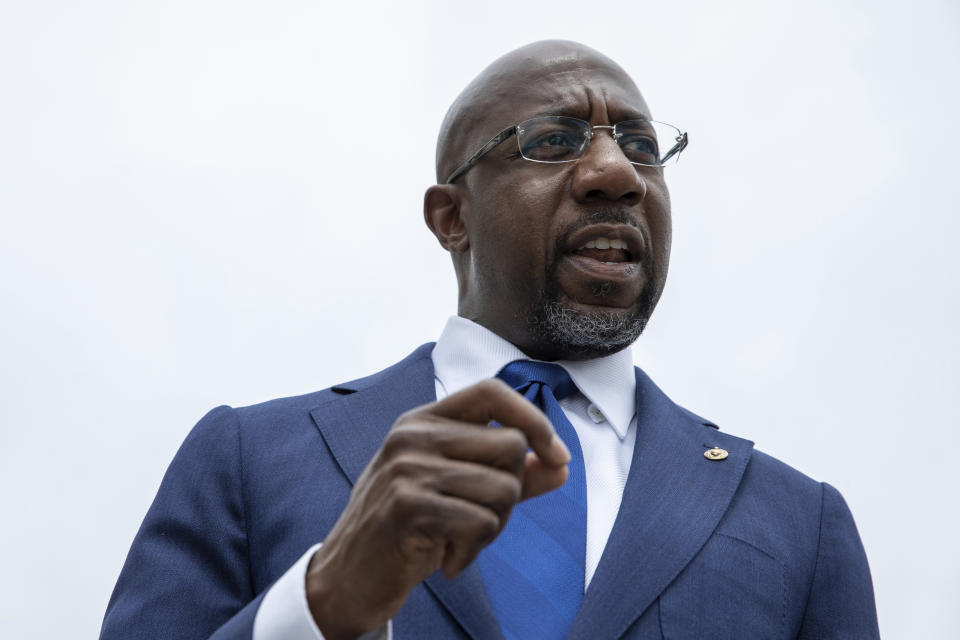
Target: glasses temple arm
677,148
475,158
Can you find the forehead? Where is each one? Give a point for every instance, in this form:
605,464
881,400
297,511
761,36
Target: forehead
592,91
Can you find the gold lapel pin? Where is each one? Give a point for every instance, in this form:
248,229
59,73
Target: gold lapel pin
715,453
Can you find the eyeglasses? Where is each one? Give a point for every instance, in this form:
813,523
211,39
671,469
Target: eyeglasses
562,139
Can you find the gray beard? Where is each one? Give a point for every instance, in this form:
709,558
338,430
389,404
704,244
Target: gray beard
588,334
591,334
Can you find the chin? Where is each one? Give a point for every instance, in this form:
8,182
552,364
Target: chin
576,333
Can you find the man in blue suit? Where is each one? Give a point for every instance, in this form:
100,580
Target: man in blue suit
432,500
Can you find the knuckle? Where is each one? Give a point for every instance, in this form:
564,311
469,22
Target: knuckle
515,441
499,386
404,466
407,416
514,450
406,501
514,490
400,439
486,526
506,495
492,386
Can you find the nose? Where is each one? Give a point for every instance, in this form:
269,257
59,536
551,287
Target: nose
603,172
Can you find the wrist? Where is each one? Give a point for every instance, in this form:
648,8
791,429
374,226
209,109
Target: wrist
324,599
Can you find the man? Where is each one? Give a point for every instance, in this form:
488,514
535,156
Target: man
450,506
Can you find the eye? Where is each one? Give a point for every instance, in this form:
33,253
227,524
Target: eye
640,140
640,148
552,138
555,139
556,144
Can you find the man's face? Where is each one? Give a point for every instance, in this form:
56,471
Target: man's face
565,260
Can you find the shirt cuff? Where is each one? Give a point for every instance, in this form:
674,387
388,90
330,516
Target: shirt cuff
285,615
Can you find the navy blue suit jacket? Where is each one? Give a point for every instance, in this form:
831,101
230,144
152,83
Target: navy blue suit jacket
741,548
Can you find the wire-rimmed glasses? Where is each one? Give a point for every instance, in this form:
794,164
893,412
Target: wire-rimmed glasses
555,139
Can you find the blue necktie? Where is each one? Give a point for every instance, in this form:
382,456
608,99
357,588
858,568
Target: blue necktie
534,571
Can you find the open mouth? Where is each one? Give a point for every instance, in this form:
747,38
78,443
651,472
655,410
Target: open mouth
603,264
607,244
609,251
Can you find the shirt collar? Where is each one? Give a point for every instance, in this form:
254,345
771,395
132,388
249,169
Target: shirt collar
467,353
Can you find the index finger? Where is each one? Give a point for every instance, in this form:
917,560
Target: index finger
493,399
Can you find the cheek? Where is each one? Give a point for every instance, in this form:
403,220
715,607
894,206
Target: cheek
511,242
539,190
506,248
523,208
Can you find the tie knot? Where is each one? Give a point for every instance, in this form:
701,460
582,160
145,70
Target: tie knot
519,374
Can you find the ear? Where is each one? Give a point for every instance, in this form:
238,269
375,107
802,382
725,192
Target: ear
443,214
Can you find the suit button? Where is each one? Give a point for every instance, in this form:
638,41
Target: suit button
715,453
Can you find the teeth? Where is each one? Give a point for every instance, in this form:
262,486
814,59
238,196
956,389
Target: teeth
605,243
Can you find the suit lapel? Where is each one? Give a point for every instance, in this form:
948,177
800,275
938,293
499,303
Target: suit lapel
672,502
466,600
354,425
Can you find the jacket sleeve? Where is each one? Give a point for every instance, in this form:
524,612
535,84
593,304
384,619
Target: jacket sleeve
187,573
840,605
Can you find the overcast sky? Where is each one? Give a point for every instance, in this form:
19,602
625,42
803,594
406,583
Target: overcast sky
213,202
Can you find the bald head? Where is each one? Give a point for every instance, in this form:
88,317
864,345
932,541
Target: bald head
521,233
524,75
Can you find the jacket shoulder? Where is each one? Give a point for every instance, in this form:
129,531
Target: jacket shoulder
771,469
301,405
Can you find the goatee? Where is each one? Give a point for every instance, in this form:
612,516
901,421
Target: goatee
594,333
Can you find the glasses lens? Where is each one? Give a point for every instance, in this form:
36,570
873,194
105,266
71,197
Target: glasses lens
552,138
648,142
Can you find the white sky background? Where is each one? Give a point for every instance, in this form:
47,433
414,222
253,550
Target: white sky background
220,202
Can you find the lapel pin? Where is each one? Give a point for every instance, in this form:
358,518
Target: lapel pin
715,453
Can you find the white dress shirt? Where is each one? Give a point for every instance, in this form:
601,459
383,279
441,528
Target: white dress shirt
603,415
